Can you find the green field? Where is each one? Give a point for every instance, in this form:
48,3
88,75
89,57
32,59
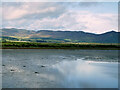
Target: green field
50,43
35,45
39,40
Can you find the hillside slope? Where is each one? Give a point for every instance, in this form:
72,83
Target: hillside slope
69,36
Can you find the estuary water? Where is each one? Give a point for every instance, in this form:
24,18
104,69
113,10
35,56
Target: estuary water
59,68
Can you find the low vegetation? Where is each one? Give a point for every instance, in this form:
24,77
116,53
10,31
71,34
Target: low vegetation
35,45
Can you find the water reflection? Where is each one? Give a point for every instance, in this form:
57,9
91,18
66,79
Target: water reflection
83,74
59,69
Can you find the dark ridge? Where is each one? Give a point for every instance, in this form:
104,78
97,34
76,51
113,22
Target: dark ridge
59,36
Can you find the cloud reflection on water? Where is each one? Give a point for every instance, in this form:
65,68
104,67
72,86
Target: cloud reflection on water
83,74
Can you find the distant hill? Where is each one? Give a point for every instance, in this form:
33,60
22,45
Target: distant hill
60,36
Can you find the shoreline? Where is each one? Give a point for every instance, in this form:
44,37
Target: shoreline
67,48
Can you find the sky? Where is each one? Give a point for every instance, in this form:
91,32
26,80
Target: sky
93,17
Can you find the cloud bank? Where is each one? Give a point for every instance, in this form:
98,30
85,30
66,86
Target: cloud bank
58,16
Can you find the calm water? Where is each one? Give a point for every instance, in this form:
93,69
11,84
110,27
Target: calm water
60,68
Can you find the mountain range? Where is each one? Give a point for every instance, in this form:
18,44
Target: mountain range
59,36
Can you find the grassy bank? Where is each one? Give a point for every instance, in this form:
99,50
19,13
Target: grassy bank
31,45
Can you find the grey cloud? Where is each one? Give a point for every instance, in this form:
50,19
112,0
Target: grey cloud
55,14
33,9
84,4
88,4
15,4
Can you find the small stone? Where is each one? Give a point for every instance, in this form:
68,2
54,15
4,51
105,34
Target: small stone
3,65
42,66
24,66
36,72
12,70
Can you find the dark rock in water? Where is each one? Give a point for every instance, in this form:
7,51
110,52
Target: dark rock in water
12,70
3,65
24,66
36,72
42,66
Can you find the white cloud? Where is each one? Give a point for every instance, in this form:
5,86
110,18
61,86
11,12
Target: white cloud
79,21
29,10
13,13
